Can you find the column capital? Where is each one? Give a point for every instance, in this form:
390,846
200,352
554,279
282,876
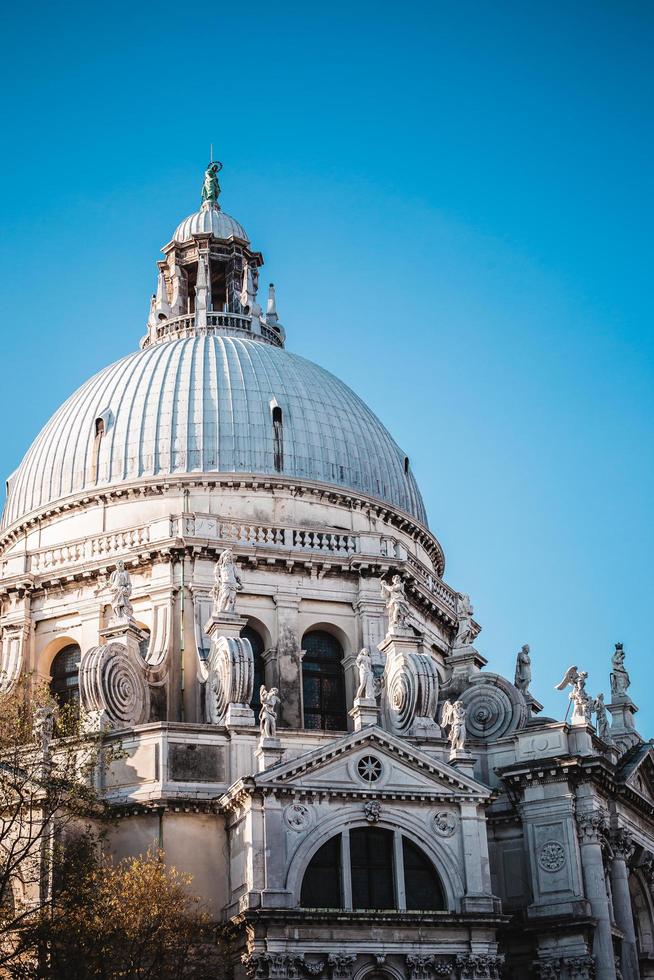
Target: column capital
591,828
622,844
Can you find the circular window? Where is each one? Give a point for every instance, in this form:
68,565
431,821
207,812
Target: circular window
369,768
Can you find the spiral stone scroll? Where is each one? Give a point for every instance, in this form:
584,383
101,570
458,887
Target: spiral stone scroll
493,707
230,679
113,686
411,692
12,649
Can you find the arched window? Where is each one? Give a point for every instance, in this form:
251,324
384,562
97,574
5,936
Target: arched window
257,644
378,868
323,685
65,675
278,439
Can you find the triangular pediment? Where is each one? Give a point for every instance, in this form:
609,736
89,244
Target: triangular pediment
399,770
637,771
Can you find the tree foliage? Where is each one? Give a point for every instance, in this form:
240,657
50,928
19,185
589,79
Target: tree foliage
136,919
47,791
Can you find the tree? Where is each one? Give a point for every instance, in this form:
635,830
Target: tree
136,919
47,793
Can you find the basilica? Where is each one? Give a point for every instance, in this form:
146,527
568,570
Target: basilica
221,557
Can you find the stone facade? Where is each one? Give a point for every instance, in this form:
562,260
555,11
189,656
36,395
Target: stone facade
404,814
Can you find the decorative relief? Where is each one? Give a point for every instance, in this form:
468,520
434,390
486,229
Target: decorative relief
341,965
622,844
493,708
298,816
280,966
422,967
112,683
372,811
411,691
230,676
444,823
591,828
479,966
12,647
577,968
551,856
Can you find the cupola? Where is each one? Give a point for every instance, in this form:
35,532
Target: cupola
208,280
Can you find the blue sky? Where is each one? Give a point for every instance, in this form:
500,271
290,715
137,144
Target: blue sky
455,203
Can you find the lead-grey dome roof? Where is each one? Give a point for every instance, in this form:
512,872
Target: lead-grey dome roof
210,221
203,404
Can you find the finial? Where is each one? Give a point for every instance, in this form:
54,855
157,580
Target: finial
211,187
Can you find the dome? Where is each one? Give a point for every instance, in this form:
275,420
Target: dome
211,404
210,221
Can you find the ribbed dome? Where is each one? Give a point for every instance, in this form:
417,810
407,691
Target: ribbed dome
204,404
210,221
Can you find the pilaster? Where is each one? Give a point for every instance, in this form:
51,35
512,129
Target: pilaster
289,658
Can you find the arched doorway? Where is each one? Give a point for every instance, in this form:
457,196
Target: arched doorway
323,684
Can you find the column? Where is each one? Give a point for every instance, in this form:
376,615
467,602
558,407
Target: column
622,848
591,830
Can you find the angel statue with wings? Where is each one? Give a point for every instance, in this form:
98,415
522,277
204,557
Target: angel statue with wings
453,717
581,700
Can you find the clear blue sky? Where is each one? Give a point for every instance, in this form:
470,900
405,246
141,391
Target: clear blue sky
455,202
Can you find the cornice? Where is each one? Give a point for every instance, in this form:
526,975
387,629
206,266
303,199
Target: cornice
159,486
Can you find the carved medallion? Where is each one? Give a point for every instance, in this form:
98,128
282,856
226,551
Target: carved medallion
372,811
444,823
298,816
551,856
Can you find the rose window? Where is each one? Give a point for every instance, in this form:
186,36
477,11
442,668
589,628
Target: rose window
369,768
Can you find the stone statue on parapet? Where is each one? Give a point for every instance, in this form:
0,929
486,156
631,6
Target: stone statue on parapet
396,603
120,584
211,187
453,716
464,612
581,700
619,676
601,718
268,713
523,670
366,688
227,584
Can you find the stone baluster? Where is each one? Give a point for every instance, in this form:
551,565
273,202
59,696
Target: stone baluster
591,829
622,848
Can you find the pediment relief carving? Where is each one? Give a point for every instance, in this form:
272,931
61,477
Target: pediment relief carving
372,762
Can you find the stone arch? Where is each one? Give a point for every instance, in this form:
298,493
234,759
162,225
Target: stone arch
370,971
51,650
643,912
325,626
351,818
261,628
256,633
